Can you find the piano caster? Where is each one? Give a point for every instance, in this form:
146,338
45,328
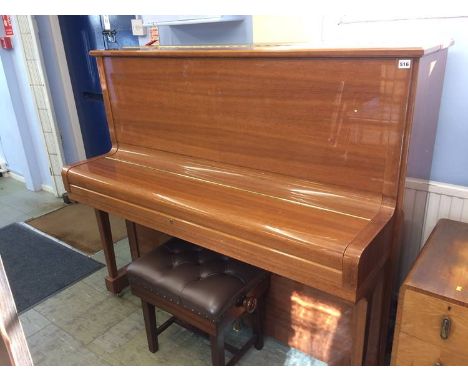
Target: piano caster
119,294
66,199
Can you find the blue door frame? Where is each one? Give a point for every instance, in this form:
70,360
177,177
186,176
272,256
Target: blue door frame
81,34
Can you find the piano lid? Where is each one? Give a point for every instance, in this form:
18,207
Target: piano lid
281,50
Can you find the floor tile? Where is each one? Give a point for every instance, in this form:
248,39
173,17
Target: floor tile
52,346
135,353
275,353
33,203
96,320
122,254
97,279
32,321
17,203
84,312
70,303
10,185
126,294
176,347
9,215
99,256
120,333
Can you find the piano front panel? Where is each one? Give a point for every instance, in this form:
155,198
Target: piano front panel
310,273
303,232
335,121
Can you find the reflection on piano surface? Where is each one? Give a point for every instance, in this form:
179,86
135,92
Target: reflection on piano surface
292,160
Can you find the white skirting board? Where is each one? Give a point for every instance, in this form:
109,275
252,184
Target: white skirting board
15,176
424,204
20,178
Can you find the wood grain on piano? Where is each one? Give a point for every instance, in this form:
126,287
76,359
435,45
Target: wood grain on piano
290,160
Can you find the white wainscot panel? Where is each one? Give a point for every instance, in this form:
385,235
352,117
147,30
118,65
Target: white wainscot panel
424,204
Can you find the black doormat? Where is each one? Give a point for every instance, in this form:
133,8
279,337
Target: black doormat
37,266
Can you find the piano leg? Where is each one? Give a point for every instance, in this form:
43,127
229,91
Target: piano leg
217,348
367,328
116,280
375,324
133,239
359,331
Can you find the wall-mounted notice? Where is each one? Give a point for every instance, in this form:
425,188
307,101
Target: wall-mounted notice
7,25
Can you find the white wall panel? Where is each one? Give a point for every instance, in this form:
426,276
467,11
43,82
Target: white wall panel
424,204
445,201
414,208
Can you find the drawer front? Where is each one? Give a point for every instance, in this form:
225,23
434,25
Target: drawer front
423,316
413,351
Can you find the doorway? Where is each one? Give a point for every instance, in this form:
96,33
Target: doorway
81,34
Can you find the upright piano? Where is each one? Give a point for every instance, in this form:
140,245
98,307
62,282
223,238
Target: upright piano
292,159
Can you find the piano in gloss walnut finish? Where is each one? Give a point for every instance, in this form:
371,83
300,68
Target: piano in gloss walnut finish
292,160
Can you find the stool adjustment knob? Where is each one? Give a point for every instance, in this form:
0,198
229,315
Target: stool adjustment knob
250,304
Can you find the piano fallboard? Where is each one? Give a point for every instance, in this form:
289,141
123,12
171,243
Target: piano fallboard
289,231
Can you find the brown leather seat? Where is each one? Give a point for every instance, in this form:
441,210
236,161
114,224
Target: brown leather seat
201,288
198,279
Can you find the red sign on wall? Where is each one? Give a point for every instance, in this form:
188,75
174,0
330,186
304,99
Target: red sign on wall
7,25
5,43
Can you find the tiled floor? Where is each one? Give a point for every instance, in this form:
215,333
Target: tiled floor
18,204
86,325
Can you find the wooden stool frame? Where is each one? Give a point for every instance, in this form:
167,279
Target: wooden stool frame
191,320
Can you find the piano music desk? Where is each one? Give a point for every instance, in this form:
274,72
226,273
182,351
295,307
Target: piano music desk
290,159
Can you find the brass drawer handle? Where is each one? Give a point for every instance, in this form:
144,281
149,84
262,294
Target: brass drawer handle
445,328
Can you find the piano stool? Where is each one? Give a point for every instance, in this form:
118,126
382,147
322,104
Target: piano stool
202,290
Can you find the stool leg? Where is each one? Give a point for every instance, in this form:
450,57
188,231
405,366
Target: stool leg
217,349
257,323
149,314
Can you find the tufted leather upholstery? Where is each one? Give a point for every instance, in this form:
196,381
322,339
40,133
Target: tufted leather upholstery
201,280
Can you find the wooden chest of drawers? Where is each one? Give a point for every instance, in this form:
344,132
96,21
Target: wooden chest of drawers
432,319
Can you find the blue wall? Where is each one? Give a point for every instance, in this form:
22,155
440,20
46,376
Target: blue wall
11,144
450,163
450,159
35,167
